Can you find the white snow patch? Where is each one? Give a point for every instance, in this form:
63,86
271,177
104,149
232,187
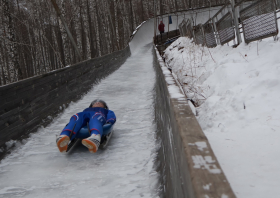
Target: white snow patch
175,91
207,186
205,163
10,143
200,145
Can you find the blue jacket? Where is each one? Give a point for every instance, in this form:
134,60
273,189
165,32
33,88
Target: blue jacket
108,114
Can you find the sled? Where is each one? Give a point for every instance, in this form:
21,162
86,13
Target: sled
85,133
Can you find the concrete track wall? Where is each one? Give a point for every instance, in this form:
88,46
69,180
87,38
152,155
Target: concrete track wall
27,104
188,165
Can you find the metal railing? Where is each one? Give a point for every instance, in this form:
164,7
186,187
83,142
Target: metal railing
259,20
256,18
225,28
186,28
199,35
209,34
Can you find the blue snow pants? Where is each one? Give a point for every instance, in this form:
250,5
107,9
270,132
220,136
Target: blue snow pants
96,118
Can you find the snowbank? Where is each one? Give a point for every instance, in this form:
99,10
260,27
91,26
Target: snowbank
237,94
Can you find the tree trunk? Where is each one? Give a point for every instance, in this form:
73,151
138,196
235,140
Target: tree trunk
82,32
131,17
13,53
60,42
117,24
2,64
90,29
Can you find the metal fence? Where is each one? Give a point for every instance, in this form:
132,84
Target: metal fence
257,17
198,35
225,29
185,28
259,20
210,39
189,29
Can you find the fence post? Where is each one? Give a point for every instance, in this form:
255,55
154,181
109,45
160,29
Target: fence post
236,24
192,28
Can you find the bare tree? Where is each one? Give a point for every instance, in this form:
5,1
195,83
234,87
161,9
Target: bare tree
34,41
14,67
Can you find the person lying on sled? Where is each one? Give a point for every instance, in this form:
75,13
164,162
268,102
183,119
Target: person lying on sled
96,116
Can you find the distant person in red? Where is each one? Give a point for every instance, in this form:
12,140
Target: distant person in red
161,28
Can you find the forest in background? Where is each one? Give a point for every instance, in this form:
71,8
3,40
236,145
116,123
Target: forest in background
34,41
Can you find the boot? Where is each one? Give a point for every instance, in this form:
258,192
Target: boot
62,143
92,142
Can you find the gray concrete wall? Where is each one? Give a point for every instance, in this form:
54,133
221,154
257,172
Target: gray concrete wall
26,104
187,163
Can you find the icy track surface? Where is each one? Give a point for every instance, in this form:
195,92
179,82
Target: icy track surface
123,169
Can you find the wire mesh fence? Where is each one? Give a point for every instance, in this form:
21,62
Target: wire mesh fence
257,17
185,28
210,39
225,28
198,35
189,29
259,20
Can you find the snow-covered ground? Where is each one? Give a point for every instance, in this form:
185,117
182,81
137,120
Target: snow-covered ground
238,90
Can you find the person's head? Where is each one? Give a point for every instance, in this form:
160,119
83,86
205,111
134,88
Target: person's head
161,22
99,103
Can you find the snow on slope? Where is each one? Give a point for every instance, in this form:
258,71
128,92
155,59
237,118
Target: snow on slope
238,90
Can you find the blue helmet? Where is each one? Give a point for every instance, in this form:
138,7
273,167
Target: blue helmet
101,101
